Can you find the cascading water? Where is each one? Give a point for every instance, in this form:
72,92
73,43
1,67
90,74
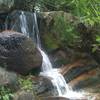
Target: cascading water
47,70
46,64
23,24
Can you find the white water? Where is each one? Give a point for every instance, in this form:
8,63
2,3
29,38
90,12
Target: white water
47,70
23,24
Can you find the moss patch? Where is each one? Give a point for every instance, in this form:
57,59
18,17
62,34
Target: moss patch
50,42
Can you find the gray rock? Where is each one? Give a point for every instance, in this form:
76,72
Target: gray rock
24,96
18,53
8,78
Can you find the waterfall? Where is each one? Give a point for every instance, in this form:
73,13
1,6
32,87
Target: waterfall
23,24
47,69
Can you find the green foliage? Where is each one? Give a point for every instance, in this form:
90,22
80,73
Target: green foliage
67,33
96,46
55,5
26,84
98,39
50,42
87,10
5,93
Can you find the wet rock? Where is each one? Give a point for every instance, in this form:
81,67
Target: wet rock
18,53
55,98
77,71
81,63
43,87
61,57
89,81
83,73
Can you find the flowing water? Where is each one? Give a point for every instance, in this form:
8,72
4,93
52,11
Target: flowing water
23,24
47,69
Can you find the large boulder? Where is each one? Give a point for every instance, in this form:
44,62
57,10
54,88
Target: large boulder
18,52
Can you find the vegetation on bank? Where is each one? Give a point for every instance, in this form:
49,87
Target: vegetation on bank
24,84
87,11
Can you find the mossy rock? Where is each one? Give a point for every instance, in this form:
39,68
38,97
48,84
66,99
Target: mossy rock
57,29
50,42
